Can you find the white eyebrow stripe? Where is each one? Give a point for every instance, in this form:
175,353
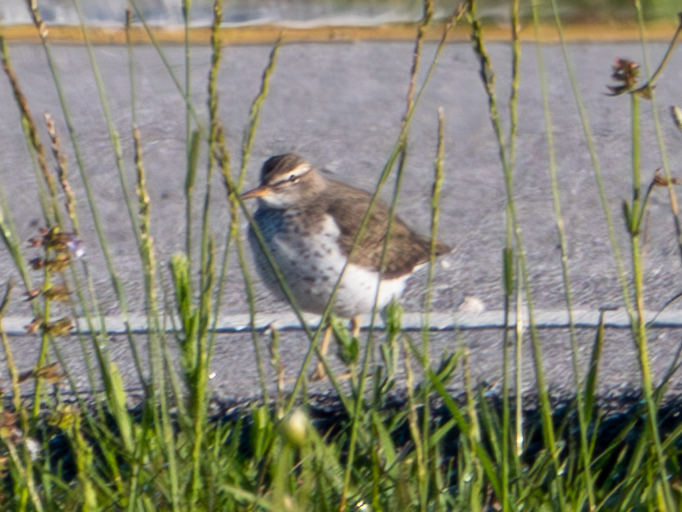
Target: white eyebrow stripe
295,172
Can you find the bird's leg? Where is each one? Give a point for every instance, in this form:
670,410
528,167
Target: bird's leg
356,325
319,372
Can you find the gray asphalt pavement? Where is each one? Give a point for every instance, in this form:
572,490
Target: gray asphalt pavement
340,106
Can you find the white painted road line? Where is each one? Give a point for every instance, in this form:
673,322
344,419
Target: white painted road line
544,319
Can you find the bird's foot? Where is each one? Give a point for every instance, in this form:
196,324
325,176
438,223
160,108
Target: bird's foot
319,373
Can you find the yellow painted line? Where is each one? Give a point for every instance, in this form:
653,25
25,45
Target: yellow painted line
268,34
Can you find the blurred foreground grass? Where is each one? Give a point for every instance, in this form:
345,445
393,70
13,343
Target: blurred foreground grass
425,452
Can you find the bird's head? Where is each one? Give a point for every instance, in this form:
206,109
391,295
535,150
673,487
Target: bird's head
287,180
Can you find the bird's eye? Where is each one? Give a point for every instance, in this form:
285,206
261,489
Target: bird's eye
293,178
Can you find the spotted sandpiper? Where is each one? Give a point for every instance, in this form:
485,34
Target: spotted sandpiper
309,222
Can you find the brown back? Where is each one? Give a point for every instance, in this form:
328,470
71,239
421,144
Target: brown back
406,249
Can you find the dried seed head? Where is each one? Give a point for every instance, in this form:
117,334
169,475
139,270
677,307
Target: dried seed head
34,325
36,241
626,72
661,181
58,264
8,419
51,373
59,327
59,242
57,292
25,375
63,418
56,240
645,91
8,427
31,294
37,263
676,112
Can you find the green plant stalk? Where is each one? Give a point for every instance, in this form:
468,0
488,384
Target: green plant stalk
169,68
636,319
44,343
232,233
146,252
464,427
657,124
435,215
154,329
425,362
313,337
84,463
382,179
640,320
508,276
42,31
113,133
109,374
186,8
509,249
206,279
198,390
26,474
42,196
622,278
75,275
359,402
487,76
100,432
413,421
518,352
213,134
473,436
668,53
637,212
247,145
192,165
582,411
255,112
16,394
427,15
251,299
12,244
60,160
141,226
35,147
199,377
249,137
61,170
514,96
131,67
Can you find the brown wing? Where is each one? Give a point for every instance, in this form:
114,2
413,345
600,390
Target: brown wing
406,249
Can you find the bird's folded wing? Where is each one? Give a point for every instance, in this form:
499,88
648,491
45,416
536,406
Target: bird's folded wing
406,249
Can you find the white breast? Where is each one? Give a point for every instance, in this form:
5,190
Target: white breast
312,264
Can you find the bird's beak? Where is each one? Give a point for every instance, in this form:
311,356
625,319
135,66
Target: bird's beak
256,192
